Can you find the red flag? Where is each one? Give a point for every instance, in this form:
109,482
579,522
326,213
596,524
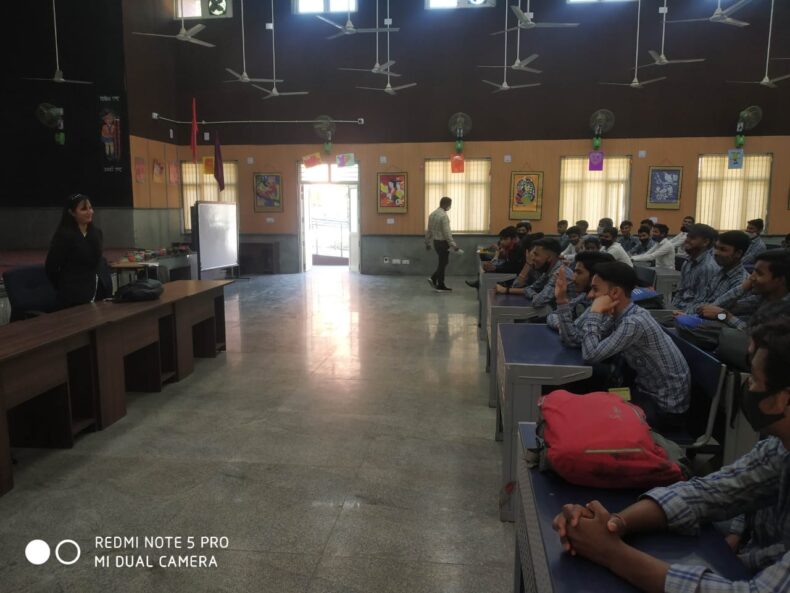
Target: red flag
457,163
193,139
219,172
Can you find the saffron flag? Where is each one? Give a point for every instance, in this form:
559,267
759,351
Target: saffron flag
193,137
311,160
219,172
457,163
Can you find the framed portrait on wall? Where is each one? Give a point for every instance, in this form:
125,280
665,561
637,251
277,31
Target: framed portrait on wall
663,188
268,196
526,195
392,193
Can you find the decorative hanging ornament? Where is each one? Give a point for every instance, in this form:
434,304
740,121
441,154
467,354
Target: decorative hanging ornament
459,145
740,140
596,142
327,146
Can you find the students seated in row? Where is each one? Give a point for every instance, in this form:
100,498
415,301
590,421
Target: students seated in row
679,239
591,243
627,240
570,312
769,282
574,245
644,241
610,245
662,253
616,326
523,228
756,484
510,256
562,231
698,270
603,223
545,259
754,229
582,225
728,254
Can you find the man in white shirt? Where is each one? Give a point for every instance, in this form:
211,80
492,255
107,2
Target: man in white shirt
662,253
609,244
679,239
574,246
438,233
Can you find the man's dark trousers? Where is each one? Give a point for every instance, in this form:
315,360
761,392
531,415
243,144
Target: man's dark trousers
443,251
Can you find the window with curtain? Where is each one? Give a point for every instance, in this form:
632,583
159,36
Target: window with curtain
470,191
592,195
199,186
727,198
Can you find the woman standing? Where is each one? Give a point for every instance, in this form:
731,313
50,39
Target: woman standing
75,255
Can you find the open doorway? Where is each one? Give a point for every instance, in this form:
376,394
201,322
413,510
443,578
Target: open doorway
329,200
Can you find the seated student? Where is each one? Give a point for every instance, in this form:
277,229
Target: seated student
523,228
602,224
645,242
755,484
582,225
562,231
615,326
648,222
729,251
768,283
698,270
574,244
591,243
627,240
662,253
610,245
568,317
510,257
545,259
679,239
754,228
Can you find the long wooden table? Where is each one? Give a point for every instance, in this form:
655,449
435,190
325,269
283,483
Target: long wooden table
69,371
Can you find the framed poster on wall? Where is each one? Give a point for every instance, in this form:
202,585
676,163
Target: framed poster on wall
268,192
392,193
663,188
526,195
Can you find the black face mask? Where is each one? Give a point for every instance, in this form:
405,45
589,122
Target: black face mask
606,243
644,241
750,406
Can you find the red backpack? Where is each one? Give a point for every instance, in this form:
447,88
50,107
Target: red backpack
602,441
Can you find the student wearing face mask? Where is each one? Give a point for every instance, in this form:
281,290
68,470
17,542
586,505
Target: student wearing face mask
644,242
754,229
728,253
604,223
755,484
609,244
662,253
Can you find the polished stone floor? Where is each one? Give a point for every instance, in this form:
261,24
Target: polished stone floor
343,444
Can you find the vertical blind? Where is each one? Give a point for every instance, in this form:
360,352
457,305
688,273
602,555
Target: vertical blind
470,191
727,198
197,185
592,195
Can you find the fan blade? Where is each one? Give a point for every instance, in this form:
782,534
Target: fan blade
688,20
688,61
528,60
500,89
356,69
518,12
500,66
744,81
733,22
390,30
260,88
502,32
75,81
195,30
370,88
616,83
333,23
525,69
404,86
233,73
554,25
654,54
336,35
199,42
387,65
523,86
293,93
735,7
496,84
778,78
154,34
652,80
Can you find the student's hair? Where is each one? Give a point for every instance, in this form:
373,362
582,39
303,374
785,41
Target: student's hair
737,239
643,229
524,224
773,336
592,239
509,232
532,238
703,231
445,201
72,202
610,230
582,223
619,274
646,222
662,228
778,262
691,218
606,222
574,230
590,259
756,223
559,222
626,223
548,244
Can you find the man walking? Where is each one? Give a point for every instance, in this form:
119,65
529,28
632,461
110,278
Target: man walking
439,232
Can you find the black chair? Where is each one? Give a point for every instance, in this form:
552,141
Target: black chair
708,379
29,292
645,275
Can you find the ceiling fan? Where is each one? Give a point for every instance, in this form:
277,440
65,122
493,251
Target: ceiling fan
388,88
505,86
660,59
635,83
766,81
243,77
522,65
274,92
184,34
525,21
377,68
350,29
58,77
721,16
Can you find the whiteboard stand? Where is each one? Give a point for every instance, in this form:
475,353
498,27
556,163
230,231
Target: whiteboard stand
215,235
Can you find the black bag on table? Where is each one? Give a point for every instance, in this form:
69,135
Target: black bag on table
139,290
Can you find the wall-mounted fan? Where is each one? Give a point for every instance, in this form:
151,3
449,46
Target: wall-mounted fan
749,118
460,124
324,128
601,121
49,115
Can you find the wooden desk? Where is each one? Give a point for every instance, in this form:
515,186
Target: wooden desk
82,360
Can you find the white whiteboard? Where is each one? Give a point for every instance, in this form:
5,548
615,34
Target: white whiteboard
218,235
